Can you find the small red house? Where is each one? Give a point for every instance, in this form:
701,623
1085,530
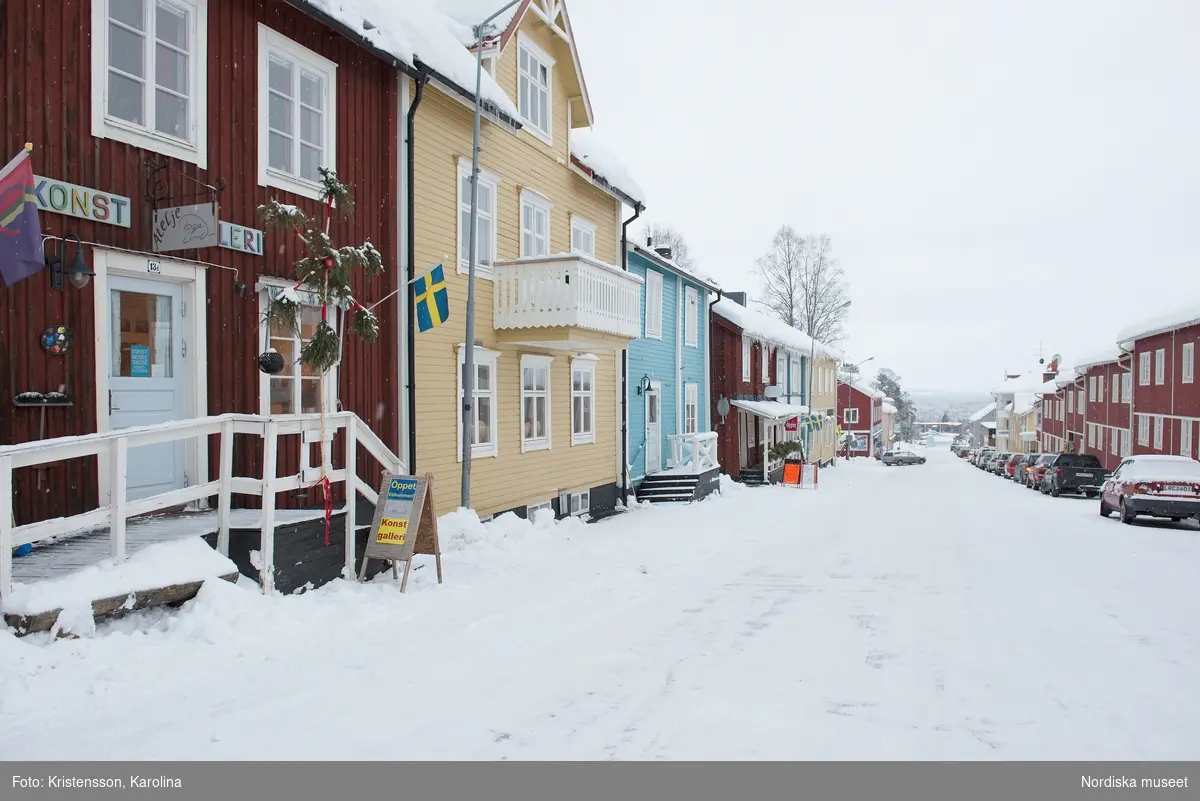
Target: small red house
1107,384
1165,394
860,414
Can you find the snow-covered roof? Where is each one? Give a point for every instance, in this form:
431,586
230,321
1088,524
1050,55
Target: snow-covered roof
417,30
651,255
772,410
1030,381
1169,321
1048,388
771,329
1066,378
1023,402
859,384
605,165
989,424
469,13
984,412
1107,356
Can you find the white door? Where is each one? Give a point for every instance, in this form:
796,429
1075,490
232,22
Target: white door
653,428
147,379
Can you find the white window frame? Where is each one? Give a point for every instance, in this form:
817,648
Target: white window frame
1143,428
1091,435
1116,389
483,356
270,40
491,180
654,305
794,382
1091,385
531,49
1144,369
585,364
580,503
764,356
848,418
747,354
535,202
781,373
1062,409
583,231
691,408
1127,388
537,362
105,126
1158,432
1185,438
691,319
1115,444
1100,382
1082,408
293,371
1160,366
1187,370
1125,447
530,508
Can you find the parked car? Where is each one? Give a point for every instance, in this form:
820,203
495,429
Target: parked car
984,455
996,467
1016,465
1037,468
891,458
1074,473
1155,486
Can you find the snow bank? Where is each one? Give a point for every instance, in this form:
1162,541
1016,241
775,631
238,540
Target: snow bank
155,566
412,30
771,329
604,163
1169,321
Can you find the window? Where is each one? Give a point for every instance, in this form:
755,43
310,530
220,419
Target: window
850,416
1125,449
535,403
485,243
583,236
489,63
581,502
1082,406
1188,369
1127,388
781,375
149,75
534,100
1116,388
1092,388
691,408
297,389
530,509
1100,389
765,358
1158,433
297,114
794,377
691,322
654,306
483,402
1144,369
1185,438
1062,408
745,359
1160,366
1114,445
1091,435
535,224
583,400
1143,429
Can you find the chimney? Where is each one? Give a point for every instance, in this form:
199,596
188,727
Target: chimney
649,241
664,251
737,297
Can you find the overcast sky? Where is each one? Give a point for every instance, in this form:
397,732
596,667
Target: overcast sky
993,175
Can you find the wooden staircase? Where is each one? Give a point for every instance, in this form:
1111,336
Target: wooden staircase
668,489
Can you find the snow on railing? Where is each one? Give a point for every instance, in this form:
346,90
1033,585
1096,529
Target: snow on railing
119,508
694,451
566,291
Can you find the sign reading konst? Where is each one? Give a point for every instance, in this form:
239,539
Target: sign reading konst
405,523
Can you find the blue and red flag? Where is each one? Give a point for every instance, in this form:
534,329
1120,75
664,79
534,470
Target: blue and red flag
21,252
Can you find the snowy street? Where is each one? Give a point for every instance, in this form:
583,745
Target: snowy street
924,612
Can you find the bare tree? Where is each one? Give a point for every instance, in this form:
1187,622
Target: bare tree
803,284
665,235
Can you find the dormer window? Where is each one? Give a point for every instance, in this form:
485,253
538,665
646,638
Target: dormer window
534,90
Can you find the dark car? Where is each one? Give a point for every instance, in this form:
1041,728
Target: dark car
1016,465
1155,486
1036,469
1073,473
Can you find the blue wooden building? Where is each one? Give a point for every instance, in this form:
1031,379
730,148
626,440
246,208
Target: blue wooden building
672,448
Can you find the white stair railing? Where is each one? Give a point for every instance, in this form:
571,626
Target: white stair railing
119,508
694,451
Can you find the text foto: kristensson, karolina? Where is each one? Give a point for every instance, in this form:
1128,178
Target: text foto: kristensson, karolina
96,782
1092,782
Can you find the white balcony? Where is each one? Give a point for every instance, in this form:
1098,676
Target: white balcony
566,301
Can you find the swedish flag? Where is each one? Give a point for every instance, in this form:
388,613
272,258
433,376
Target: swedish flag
432,299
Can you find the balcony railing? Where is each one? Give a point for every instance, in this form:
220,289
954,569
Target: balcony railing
697,452
567,290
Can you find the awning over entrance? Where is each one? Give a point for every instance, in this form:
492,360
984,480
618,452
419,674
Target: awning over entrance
771,410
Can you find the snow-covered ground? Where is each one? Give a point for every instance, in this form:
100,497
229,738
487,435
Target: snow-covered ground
925,612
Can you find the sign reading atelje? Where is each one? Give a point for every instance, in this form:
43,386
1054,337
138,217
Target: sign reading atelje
405,524
185,227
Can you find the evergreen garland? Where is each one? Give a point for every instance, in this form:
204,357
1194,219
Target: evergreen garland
324,271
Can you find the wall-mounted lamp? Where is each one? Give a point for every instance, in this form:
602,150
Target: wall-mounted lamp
643,384
78,272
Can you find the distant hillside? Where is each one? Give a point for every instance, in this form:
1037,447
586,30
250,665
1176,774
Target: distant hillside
932,404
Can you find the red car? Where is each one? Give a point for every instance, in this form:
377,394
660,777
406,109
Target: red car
1033,479
1010,467
1154,486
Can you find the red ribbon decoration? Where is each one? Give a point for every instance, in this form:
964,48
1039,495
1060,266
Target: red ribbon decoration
328,489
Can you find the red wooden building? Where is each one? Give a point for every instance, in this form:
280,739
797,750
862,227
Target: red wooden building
1107,385
859,412
135,107
1165,395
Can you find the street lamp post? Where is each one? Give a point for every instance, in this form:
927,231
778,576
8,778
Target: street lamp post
468,376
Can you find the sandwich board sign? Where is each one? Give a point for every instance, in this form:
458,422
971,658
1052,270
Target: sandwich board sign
405,524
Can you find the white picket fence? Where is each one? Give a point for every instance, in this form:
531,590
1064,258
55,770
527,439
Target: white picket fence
118,508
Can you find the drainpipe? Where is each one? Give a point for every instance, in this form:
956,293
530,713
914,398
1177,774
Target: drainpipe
637,212
708,388
412,266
